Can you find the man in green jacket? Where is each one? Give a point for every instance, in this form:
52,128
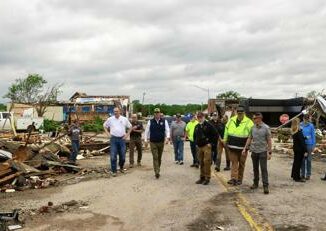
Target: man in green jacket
237,131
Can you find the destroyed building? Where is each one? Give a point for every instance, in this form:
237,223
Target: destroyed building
271,109
86,107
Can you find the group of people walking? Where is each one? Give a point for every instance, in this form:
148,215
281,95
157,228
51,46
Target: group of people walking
207,139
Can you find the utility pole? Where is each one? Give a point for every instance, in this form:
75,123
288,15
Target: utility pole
144,93
204,89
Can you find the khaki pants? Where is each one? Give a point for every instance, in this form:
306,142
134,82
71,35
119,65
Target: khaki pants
132,144
238,163
220,148
157,151
205,161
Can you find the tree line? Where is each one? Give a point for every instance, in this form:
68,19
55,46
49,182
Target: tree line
173,109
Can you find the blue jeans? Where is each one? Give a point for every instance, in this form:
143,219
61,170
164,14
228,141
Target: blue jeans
75,150
178,149
118,147
306,163
193,149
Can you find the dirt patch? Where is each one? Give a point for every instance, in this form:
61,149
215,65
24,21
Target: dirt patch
81,220
217,213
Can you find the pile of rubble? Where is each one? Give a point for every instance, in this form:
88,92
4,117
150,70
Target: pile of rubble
34,161
319,152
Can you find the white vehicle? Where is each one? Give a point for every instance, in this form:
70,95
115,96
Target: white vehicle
20,123
5,120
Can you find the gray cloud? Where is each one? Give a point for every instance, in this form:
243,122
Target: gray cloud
263,49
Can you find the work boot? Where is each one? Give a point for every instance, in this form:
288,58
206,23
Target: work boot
157,175
308,178
254,186
323,178
217,169
206,182
232,181
193,165
266,190
200,181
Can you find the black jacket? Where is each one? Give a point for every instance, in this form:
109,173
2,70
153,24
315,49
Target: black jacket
299,144
205,134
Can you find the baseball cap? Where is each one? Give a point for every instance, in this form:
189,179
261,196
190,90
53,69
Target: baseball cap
178,115
240,109
157,110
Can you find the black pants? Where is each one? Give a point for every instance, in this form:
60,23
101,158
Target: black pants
260,159
297,161
194,153
214,152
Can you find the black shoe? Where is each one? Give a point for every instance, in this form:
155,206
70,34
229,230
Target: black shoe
181,163
266,190
227,169
308,178
254,186
237,182
197,165
217,169
157,175
206,182
231,181
300,180
200,181
323,178
122,170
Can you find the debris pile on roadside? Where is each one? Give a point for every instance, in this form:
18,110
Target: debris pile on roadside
34,161
319,152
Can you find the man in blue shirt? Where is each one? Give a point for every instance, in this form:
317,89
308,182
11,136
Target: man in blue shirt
308,131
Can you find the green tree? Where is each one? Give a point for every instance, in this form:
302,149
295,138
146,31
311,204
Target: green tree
229,95
33,90
3,107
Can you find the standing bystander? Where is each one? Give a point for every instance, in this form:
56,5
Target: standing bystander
74,133
308,131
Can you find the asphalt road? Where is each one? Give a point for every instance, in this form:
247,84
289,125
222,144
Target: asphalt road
137,201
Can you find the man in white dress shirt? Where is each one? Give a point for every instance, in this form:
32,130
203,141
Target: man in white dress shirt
117,128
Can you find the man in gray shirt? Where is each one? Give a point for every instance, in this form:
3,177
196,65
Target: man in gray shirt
260,143
178,134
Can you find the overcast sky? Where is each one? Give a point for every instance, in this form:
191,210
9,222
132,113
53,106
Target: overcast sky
263,49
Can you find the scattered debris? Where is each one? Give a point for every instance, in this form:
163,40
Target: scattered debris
34,166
